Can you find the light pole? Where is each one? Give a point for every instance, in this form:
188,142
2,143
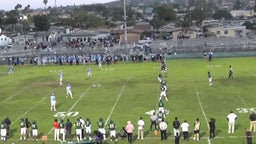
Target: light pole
125,25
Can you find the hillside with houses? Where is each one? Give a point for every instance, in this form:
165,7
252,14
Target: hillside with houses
168,22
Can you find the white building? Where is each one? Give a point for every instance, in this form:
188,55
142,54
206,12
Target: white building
242,13
5,41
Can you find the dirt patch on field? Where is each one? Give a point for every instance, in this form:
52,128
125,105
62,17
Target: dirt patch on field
44,84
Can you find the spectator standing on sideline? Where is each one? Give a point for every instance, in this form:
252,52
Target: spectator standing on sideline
153,120
253,122
231,117
53,102
123,133
185,130
248,135
56,130
176,126
230,72
212,127
210,55
163,127
129,129
140,124
177,138
197,129
68,90
69,130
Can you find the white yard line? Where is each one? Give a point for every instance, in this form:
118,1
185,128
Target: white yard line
242,101
117,100
31,108
201,106
80,97
200,103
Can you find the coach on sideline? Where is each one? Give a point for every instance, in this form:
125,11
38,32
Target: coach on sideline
253,121
231,117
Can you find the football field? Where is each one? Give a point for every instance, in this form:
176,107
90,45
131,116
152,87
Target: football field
126,91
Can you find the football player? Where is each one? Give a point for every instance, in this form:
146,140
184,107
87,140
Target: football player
68,90
53,102
101,129
61,78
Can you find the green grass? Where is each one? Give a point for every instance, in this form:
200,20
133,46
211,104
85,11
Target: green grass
129,90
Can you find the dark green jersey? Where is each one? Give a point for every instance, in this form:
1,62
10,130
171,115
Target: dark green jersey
3,125
160,115
87,123
34,126
100,124
160,104
22,124
61,125
112,126
78,125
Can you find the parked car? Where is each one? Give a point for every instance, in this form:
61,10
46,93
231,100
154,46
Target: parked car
145,40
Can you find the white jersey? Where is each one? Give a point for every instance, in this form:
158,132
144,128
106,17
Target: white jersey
89,72
232,117
53,102
11,70
69,92
184,126
52,98
61,77
68,88
100,65
141,124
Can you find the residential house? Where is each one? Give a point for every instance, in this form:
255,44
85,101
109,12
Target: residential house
82,35
229,31
133,35
181,33
178,32
148,13
22,39
242,13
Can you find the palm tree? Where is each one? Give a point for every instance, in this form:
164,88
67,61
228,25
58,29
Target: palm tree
17,7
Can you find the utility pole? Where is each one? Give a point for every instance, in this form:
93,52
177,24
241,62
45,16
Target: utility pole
125,25
55,3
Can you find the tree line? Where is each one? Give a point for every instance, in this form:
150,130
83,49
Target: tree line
101,16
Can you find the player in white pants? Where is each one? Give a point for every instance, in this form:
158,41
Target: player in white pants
53,102
69,92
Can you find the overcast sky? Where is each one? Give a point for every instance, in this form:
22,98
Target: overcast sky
10,4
